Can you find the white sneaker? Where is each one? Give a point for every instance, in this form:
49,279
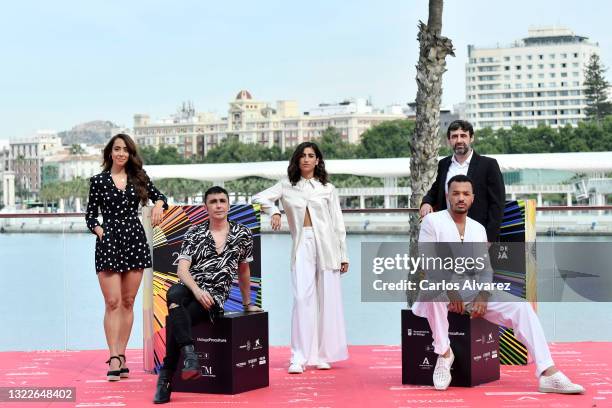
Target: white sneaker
442,375
323,366
560,384
295,369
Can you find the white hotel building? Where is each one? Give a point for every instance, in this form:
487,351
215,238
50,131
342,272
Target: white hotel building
536,81
194,134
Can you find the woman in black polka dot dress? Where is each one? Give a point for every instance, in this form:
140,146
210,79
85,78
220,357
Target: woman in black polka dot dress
122,251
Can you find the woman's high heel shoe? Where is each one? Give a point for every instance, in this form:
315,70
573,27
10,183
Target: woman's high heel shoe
113,375
124,372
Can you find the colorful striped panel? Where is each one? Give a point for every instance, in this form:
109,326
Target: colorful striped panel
518,225
167,240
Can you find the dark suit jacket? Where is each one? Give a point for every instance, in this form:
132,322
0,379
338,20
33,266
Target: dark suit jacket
489,192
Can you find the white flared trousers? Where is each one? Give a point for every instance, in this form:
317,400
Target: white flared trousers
517,315
318,332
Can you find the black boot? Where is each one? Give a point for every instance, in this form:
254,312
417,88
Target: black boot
164,387
191,367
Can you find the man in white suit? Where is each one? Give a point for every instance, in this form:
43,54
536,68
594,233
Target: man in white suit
453,225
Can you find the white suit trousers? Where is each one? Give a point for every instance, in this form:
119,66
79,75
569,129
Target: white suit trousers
318,332
517,315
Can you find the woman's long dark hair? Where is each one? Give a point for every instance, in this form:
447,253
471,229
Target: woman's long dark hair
293,171
133,166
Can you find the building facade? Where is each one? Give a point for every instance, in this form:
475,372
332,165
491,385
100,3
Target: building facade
252,121
538,80
5,150
66,167
26,158
446,116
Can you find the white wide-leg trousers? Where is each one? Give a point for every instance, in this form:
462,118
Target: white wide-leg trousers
517,315
318,332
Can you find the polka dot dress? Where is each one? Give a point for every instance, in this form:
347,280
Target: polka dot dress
123,246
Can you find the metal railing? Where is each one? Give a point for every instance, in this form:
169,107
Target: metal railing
549,208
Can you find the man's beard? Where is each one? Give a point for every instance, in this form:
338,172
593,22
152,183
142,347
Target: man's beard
461,149
458,210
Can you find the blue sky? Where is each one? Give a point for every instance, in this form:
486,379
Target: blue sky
67,62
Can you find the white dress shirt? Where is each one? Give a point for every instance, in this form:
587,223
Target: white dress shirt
325,213
439,226
456,168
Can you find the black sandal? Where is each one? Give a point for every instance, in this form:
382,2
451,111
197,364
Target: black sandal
125,372
113,375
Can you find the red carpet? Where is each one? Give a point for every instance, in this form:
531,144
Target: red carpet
371,378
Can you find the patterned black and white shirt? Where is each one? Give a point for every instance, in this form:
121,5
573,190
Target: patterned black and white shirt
211,271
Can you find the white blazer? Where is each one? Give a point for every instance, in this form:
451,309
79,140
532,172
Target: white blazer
325,213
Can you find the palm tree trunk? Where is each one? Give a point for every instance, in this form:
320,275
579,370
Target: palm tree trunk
425,141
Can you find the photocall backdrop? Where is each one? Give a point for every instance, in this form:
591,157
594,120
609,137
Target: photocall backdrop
518,225
166,240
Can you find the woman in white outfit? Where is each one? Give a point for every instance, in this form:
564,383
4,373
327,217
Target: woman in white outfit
318,258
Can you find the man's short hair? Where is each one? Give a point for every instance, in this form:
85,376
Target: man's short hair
460,178
215,190
460,125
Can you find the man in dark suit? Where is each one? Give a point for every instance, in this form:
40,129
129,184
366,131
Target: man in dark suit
489,190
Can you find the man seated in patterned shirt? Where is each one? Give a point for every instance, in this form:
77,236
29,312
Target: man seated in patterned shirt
212,253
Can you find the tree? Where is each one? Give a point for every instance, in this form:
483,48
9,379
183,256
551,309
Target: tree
164,155
489,141
387,139
231,150
248,186
78,187
350,180
50,193
76,149
182,189
596,90
148,154
433,49
333,146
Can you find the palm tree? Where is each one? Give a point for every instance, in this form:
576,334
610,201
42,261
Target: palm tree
49,193
181,189
433,49
425,142
79,189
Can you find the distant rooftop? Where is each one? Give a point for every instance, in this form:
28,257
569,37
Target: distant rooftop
551,35
549,31
538,36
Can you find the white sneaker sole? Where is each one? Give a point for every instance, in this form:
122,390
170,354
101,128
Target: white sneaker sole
444,387
295,370
556,391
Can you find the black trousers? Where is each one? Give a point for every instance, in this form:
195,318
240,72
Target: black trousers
180,320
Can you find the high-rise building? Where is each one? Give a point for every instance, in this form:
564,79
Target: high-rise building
538,80
252,121
27,156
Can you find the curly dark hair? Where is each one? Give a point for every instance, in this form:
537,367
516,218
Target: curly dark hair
133,167
293,171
